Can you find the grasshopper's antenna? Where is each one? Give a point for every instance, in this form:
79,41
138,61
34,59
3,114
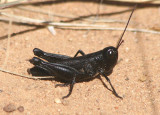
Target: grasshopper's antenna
120,41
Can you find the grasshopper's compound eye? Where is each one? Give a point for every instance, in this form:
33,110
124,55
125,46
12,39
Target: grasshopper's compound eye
110,52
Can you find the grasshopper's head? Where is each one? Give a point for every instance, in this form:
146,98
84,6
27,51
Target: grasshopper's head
110,55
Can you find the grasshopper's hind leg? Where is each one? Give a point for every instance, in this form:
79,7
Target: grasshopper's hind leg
66,84
61,71
71,88
50,57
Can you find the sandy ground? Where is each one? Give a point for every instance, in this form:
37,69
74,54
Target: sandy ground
136,78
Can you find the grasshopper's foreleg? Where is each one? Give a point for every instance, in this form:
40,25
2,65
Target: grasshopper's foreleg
59,70
113,90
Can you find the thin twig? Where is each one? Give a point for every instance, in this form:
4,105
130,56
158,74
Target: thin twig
24,76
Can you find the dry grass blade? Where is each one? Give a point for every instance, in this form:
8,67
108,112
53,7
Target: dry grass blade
74,26
11,3
13,73
114,29
44,22
140,1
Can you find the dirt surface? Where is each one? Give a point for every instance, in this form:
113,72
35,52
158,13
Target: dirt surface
136,78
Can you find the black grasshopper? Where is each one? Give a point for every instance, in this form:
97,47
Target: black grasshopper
76,69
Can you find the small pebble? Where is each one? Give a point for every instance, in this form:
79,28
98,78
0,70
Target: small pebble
103,113
116,107
70,39
1,91
16,44
9,108
127,79
26,38
126,60
85,35
127,49
20,108
143,78
136,40
65,102
79,113
57,100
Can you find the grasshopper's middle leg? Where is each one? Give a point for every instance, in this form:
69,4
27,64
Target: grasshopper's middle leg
66,84
79,51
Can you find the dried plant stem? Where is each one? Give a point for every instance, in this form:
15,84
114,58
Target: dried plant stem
140,1
38,10
44,22
11,4
114,29
13,73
